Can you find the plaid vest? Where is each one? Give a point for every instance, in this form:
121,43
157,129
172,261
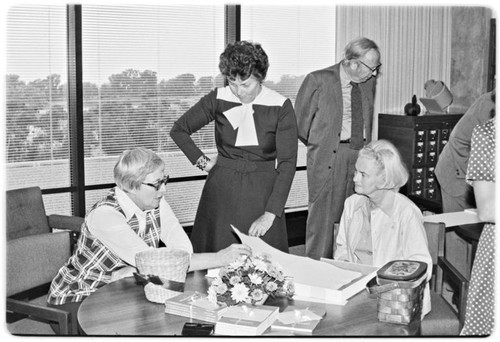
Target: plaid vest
92,264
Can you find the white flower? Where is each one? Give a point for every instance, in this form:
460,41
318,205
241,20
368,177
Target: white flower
255,278
222,272
289,287
275,273
212,295
278,266
260,265
234,280
216,282
271,286
257,294
238,262
221,288
239,292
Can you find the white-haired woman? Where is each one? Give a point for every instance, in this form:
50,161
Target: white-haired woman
133,217
378,223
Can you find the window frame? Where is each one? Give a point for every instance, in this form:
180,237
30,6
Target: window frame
77,190
78,187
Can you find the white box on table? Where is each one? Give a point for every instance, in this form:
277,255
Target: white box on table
326,294
326,281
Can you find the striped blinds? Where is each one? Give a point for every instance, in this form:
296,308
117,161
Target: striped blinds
297,40
36,97
143,67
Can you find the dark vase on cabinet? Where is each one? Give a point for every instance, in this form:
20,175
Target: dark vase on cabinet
420,140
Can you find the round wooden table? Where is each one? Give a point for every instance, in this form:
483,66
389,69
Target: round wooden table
121,308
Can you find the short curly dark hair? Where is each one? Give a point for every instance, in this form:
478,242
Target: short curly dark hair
244,59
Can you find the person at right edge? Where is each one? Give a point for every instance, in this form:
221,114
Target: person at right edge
480,307
451,167
334,110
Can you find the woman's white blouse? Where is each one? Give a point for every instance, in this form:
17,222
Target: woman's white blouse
112,229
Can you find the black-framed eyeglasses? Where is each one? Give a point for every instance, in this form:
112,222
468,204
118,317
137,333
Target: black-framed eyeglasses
157,185
374,69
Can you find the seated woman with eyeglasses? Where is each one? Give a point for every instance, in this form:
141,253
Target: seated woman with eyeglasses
378,223
133,217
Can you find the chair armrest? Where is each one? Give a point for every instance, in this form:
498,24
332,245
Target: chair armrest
450,270
65,222
73,223
460,282
34,311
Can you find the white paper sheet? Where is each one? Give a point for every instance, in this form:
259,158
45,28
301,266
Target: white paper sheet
305,271
297,316
454,219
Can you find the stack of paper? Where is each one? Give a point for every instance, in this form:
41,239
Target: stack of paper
246,320
194,305
300,321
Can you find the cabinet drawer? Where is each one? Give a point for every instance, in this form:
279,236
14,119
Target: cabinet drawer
420,139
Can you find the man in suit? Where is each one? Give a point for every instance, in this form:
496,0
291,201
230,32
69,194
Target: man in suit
451,167
334,109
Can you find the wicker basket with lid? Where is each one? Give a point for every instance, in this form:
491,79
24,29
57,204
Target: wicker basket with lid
170,266
400,291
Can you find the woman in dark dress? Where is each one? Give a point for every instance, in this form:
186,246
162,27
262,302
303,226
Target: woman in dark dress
256,135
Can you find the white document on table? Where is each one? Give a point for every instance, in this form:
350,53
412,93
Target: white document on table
467,216
312,278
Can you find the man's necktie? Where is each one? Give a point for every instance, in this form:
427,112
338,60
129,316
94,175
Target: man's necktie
356,118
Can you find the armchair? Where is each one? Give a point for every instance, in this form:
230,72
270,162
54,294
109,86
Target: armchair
34,255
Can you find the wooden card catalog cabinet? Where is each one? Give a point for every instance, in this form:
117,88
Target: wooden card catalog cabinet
420,140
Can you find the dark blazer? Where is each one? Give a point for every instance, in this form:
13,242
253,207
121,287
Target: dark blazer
452,162
319,111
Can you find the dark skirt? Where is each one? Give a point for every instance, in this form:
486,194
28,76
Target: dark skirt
236,193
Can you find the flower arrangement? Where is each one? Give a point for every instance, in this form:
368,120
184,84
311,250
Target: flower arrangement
250,280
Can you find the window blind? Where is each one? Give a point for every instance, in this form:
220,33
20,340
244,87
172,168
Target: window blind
297,40
143,67
36,116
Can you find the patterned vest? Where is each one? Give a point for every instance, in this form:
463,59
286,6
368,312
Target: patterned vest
92,264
